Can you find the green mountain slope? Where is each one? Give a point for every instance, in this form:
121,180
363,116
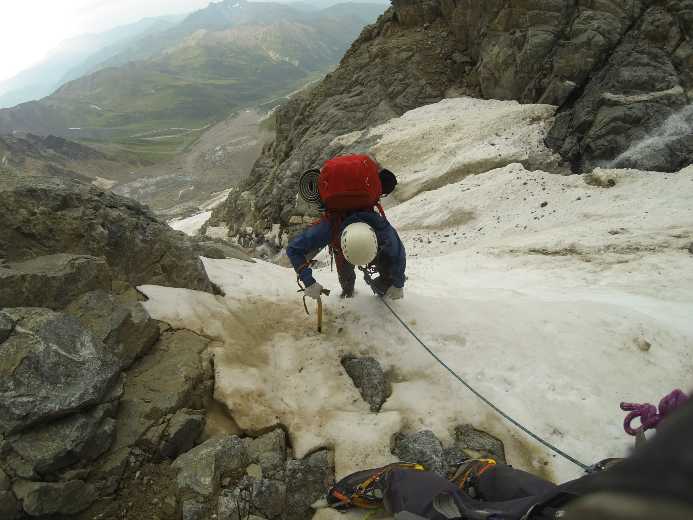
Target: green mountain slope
74,58
229,55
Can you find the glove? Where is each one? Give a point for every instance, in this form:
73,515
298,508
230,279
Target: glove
395,293
379,286
314,291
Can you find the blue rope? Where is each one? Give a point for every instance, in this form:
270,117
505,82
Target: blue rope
489,403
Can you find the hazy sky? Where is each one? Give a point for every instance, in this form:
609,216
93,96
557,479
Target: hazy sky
29,29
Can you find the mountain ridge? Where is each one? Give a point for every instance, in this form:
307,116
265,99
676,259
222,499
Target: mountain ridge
194,76
617,71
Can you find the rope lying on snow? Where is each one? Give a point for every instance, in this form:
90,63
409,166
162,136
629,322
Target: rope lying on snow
484,399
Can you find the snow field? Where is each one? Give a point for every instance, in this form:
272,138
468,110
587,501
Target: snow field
438,144
556,312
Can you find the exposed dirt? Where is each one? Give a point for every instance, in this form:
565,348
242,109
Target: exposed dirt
146,493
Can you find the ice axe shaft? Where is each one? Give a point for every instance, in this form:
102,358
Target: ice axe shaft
326,292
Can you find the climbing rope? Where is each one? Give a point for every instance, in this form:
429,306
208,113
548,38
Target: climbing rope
649,415
536,437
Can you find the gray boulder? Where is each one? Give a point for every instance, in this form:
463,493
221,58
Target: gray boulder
369,378
201,469
5,482
9,506
252,496
269,451
170,377
220,249
50,366
422,448
6,327
44,215
269,497
127,330
108,472
54,498
81,437
181,432
478,444
51,281
193,510
307,480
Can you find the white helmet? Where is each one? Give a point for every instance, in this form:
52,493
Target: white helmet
359,243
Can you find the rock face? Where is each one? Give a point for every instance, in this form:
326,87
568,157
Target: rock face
50,366
307,480
54,498
181,433
48,215
201,469
240,478
620,71
77,438
51,281
170,378
126,329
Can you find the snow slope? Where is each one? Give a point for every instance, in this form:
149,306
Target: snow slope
192,225
556,297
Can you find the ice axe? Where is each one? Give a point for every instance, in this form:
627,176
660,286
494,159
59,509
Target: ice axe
326,292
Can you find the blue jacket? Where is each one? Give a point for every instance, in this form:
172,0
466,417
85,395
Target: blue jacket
390,248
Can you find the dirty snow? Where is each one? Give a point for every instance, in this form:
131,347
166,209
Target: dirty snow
555,298
435,145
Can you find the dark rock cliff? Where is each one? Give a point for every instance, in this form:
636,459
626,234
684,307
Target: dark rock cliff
619,70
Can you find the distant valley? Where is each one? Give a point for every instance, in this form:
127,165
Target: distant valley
172,107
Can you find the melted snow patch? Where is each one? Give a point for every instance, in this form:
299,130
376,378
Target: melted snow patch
191,225
443,143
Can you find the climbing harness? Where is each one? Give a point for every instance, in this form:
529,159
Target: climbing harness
585,467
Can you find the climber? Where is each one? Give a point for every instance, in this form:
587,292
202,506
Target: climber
356,234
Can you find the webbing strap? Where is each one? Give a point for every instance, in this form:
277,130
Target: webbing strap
484,399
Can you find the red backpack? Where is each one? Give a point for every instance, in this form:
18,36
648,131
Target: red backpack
350,183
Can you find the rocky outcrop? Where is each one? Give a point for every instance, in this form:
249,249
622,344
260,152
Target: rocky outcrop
44,451
201,469
51,281
425,448
620,71
239,478
54,498
125,328
50,366
47,215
